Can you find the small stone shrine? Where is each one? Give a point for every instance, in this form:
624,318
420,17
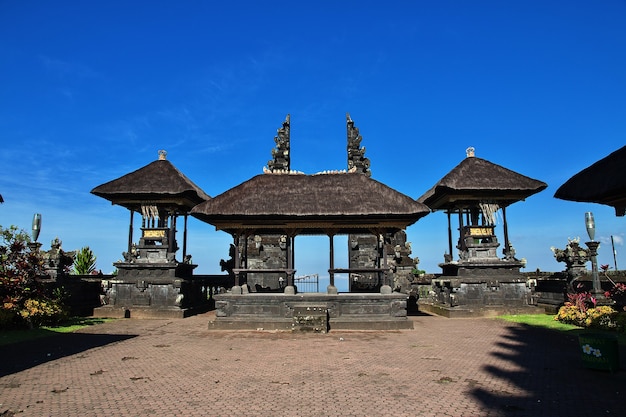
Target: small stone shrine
479,282
151,281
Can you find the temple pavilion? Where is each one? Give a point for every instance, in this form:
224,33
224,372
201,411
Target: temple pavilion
284,203
480,281
152,281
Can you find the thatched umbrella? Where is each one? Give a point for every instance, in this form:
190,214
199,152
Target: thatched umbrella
603,182
476,184
159,181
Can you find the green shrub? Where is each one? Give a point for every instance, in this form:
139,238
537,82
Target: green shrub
620,321
42,312
601,317
571,314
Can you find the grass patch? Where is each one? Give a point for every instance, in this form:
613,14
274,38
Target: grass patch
539,320
14,336
547,322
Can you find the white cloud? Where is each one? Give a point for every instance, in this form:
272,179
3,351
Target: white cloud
618,240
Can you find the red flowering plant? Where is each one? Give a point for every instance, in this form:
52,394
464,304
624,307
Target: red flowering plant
582,310
23,300
576,310
617,293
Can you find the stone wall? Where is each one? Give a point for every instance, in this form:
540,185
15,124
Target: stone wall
266,252
364,250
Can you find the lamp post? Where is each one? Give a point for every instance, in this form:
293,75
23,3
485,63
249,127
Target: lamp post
590,224
34,245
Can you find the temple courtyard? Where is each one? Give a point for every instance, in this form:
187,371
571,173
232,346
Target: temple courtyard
178,367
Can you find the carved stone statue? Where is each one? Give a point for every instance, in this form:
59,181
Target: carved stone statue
227,266
57,262
575,258
280,154
357,162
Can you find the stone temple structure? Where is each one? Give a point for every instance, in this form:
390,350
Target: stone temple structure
266,213
151,280
480,281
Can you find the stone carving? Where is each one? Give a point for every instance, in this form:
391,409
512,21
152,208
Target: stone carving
357,162
280,155
228,265
57,262
132,255
574,256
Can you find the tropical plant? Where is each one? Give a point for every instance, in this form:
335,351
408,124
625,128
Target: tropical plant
84,261
582,310
23,299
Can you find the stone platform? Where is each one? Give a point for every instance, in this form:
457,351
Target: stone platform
319,312
477,310
139,312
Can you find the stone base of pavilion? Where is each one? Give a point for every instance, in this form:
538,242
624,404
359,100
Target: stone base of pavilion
138,312
317,312
480,289
439,309
154,290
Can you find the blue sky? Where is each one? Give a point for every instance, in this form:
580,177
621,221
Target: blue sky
92,90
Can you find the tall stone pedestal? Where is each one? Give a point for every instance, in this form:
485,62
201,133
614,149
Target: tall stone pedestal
474,289
153,290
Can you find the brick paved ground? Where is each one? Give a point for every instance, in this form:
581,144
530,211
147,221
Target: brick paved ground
444,367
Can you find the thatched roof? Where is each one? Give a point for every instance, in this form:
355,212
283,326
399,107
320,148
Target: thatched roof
478,180
158,182
312,204
603,182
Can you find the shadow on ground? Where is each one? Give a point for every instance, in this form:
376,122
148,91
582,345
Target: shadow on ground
20,356
548,367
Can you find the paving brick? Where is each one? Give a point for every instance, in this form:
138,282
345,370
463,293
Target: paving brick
443,367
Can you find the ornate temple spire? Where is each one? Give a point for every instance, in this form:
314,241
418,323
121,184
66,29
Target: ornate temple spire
357,162
280,155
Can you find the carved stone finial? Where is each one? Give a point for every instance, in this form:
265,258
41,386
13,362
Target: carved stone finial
357,162
470,152
280,154
162,155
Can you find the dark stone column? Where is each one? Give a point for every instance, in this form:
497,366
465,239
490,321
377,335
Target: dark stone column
331,289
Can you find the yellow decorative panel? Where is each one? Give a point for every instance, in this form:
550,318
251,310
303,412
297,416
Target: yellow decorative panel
154,233
480,231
